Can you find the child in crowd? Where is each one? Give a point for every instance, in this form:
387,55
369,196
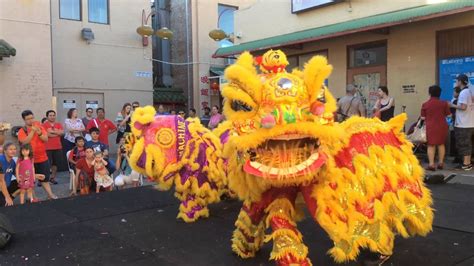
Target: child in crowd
97,146
101,175
127,176
77,152
25,171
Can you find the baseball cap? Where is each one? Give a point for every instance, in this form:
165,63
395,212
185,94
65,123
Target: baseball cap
463,78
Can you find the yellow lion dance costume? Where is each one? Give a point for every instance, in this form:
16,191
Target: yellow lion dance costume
280,147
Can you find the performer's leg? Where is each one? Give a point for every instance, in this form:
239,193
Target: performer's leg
288,246
250,229
191,207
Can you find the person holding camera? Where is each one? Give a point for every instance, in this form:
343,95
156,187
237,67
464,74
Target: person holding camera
123,121
127,176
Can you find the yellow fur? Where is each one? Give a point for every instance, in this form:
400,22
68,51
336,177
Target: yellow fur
394,164
362,206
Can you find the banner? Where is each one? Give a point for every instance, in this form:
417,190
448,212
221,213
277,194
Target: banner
449,69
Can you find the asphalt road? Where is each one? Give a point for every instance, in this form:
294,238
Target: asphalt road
138,227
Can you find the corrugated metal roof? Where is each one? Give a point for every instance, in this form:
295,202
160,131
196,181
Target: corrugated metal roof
168,95
217,70
352,26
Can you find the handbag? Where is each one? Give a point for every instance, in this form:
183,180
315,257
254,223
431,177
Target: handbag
419,134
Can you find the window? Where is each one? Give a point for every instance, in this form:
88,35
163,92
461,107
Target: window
372,55
70,9
225,22
304,58
292,63
99,11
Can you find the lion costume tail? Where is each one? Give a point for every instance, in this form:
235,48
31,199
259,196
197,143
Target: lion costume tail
373,190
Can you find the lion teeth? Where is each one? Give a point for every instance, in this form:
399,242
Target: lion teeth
287,170
314,156
273,171
264,168
255,165
292,170
284,171
300,167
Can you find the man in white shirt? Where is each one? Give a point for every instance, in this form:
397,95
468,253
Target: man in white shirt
464,125
350,105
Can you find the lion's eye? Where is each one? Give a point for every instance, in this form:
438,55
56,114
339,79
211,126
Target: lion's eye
240,106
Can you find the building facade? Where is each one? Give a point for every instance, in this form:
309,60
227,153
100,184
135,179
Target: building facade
206,70
25,63
404,45
99,60
72,54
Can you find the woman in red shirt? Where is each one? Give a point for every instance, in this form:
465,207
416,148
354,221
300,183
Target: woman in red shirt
85,171
434,113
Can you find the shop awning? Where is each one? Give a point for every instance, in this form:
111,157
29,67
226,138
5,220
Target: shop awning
218,71
169,95
6,50
357,25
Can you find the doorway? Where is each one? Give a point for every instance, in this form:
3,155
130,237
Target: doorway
367,70
80,101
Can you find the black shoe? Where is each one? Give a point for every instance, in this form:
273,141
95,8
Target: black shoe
54,182
39,184
466,167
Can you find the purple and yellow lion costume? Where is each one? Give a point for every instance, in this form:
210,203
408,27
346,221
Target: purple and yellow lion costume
280,150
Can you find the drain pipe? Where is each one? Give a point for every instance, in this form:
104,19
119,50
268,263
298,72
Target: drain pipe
190,91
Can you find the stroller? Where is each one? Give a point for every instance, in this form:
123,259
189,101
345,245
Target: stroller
418,147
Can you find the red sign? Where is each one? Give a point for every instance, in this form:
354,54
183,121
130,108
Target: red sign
204,79
205,92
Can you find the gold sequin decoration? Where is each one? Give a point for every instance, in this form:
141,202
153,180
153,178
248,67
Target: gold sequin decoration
361,229
166,138
414,210
286,242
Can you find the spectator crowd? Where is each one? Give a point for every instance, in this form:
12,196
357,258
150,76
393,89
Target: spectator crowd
441,121
80,143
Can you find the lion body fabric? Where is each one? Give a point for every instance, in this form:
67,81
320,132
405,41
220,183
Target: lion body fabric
280,149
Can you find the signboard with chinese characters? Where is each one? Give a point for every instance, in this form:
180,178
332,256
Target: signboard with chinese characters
204,94
303,5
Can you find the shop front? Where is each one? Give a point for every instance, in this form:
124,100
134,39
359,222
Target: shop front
406,50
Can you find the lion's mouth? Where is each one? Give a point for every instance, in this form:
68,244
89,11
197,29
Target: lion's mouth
285,156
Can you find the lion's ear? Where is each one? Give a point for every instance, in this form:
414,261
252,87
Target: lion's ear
243,75
297,72
315,72
141,118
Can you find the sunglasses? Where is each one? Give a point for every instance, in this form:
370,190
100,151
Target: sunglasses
135,106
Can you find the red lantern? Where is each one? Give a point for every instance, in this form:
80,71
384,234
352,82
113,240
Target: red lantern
215,86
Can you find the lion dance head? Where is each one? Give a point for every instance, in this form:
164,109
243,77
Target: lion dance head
281,121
